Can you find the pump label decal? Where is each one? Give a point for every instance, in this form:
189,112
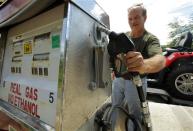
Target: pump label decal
28,102
55,41
27,47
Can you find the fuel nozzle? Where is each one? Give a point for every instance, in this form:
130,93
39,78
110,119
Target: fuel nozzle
119,45
118,41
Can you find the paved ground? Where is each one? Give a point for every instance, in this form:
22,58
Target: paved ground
167,117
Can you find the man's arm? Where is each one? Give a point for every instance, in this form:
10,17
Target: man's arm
136,63
154,64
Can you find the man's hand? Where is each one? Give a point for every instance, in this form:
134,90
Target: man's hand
135,62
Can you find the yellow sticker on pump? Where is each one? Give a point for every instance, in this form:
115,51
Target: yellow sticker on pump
27,46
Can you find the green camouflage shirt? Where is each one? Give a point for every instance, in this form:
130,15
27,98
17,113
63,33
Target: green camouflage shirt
148,44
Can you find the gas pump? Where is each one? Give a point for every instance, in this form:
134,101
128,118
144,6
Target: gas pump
54,71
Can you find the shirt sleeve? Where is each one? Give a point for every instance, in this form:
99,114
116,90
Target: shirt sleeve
154,47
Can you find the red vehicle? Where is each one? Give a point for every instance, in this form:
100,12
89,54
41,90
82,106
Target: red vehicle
177,76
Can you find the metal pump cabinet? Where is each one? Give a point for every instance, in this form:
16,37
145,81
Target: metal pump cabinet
54,68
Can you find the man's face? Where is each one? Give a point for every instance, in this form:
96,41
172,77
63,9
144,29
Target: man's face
136,19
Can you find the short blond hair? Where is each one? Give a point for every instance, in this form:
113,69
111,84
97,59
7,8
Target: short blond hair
140,5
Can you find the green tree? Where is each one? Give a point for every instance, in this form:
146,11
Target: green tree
177,28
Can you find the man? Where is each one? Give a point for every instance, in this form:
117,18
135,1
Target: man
146,59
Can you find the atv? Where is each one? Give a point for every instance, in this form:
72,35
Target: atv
177,76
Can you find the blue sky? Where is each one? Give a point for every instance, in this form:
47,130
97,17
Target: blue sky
159,14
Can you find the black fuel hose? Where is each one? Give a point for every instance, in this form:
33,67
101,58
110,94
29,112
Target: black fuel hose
136,122
103,118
